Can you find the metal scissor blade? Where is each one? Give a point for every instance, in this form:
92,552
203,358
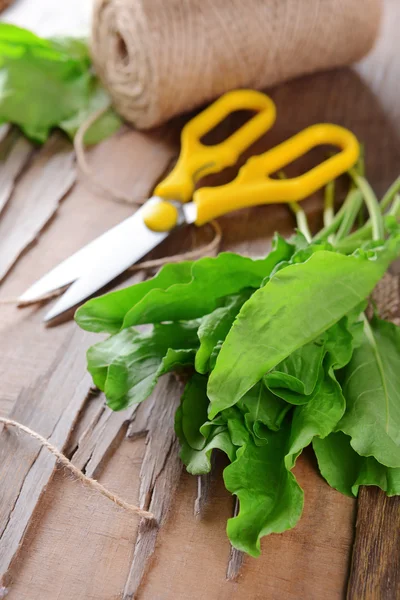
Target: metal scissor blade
97,264
123,246
73,267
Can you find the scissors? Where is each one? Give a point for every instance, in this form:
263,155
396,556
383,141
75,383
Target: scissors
176,202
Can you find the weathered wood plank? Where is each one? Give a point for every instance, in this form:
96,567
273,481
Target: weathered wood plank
101,427
236,557
159,474
51,409
203,490
36,199
375,569
15,152
155,150
100,437
79,544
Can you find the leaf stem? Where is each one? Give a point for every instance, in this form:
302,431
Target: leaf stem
329,200
326,231
301,217
354,205
390,194
371,339
354,240
301,220
372,205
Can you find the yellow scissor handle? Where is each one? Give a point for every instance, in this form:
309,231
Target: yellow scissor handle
253,185
197,160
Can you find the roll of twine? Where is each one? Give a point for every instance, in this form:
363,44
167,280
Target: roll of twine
159,58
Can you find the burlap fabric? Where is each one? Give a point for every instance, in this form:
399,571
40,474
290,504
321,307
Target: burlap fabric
159,58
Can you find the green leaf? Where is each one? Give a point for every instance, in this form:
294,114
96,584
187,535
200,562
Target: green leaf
196,448
318,417
211,280
107,124
46,84
271,500
215,327
343,337
127,365
237,429
295,378
214,355
260,406
179,291
373,473
194,404
345,470
337,461
296,306
371,386
106,313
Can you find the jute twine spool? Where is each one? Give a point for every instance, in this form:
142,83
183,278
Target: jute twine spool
159,58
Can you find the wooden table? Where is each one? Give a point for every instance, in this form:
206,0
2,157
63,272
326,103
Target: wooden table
77,545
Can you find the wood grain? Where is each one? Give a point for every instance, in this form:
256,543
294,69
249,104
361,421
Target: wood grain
22,483
159,475
375,569
51,409
36,199
79,545
15,151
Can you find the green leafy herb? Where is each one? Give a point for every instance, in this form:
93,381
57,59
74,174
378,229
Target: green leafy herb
260,406
47,83
197,437
215,327
372,389
271,500
316,418
322,289
346,471
295,378
186,290
127,366
283,355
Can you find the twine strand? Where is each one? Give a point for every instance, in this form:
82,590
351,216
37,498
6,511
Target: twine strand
111,193
87,481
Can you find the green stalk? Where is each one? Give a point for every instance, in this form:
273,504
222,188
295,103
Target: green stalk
355,203
365,230
354,240
301,217
301,220
395,208
329,203
337,219
372,205
390,194
360,166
